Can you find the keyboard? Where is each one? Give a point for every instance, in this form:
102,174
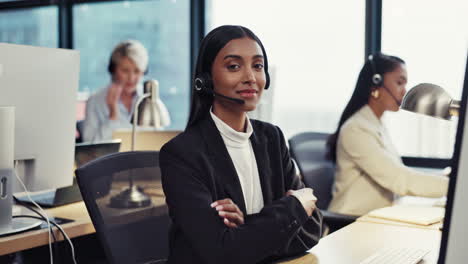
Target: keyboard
396,256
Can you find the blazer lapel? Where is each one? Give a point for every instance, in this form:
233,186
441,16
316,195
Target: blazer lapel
222,163
260,148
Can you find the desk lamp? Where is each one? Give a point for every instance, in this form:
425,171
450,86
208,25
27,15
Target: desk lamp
145,113
430,99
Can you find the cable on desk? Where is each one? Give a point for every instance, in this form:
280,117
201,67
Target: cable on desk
43,213
26,205
41,217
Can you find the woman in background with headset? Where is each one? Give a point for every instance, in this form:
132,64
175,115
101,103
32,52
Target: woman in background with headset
112,108
230,184
369,171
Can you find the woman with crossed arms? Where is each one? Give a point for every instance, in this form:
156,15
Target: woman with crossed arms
230,184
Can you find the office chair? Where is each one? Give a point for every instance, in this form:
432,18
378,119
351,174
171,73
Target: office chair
128,235
308,149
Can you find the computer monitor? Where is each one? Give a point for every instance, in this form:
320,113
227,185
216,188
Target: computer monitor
41,83
453,245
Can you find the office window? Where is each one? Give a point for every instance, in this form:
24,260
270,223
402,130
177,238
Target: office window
37,27
432,37
164,29
315,49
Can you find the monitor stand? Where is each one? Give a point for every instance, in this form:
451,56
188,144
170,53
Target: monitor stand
19,225
8,224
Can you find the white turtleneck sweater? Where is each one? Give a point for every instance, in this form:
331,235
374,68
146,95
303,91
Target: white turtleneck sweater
240,149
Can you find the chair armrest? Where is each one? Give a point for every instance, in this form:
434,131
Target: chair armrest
336,221
426,162
336,217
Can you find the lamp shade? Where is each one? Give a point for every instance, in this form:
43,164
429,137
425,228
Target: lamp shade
432,100
149,114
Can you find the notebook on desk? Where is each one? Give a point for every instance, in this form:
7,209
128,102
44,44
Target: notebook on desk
421,201
419,215
84,153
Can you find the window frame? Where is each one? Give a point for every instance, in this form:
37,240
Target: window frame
65,20
373,36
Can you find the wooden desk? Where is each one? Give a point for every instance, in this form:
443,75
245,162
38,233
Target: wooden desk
359,240
26,240
367,235
81,225
349,245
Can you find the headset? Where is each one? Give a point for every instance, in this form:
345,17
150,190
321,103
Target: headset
377,79
111,66
204,83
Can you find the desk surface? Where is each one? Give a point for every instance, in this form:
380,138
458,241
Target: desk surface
81,225
26,240
349,245
359,240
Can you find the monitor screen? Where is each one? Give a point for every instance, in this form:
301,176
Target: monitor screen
453,246
41,83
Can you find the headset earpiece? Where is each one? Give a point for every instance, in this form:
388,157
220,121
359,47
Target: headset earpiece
202,83
198,84
377,79
111,67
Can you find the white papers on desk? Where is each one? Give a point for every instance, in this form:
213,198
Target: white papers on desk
421,201
419,215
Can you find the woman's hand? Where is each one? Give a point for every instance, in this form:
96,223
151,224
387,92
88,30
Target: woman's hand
112,99
306,197
229,211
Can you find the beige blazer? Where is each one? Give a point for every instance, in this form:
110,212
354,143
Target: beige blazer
369,170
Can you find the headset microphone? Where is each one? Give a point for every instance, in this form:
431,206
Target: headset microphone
391,94
201,86
239,101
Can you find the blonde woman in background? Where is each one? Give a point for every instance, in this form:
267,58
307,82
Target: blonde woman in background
112,107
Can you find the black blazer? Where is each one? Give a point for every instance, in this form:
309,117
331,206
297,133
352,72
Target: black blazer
197,170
